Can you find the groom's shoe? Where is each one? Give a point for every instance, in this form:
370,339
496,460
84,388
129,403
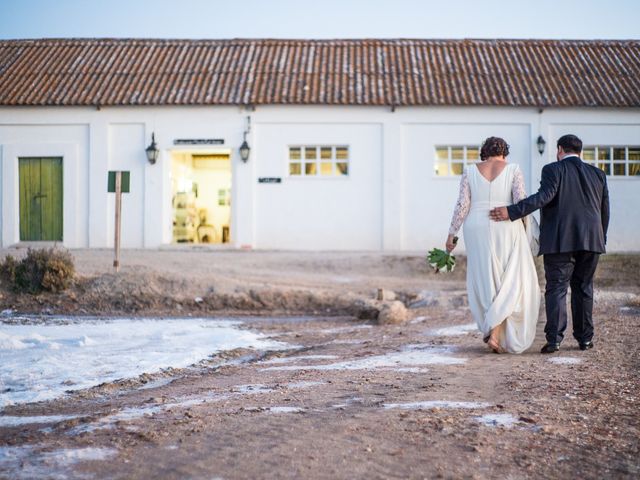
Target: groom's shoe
586,345
550,348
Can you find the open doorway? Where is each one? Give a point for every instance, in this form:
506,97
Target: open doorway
201,197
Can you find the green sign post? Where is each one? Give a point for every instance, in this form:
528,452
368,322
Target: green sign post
118,183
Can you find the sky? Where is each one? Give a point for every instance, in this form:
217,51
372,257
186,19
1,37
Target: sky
553,19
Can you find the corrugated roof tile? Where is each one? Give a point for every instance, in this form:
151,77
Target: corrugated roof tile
343,72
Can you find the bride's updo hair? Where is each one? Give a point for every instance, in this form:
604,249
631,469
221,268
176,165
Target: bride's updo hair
494,147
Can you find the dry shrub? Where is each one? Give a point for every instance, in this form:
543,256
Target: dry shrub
49,269
8,269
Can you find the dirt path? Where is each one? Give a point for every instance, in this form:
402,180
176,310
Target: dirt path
337,404
342,400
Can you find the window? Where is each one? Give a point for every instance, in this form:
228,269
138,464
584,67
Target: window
318,161
616,161
451,160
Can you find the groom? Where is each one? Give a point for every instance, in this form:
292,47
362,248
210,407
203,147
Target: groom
574,217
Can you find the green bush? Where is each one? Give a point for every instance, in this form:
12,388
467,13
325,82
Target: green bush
49,269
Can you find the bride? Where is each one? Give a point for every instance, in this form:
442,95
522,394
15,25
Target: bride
502,284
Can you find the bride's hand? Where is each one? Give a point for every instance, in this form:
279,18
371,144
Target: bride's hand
450,244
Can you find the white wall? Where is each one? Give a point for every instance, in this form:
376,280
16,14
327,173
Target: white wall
331,213
390,201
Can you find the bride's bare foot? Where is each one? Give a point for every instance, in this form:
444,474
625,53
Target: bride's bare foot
494,345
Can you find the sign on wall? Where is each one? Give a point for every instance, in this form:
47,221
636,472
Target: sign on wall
125,179
198,141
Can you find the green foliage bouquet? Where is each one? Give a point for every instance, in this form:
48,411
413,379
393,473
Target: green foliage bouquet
439,259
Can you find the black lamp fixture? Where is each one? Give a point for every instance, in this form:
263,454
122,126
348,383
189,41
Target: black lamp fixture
540,143
245,150
152,150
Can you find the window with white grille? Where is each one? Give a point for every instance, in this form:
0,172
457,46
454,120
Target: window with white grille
318,161
615,161
450,160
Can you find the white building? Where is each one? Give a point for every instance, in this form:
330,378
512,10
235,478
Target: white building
355,144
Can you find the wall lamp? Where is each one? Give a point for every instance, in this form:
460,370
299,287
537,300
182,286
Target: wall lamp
152,150
540,143
245,150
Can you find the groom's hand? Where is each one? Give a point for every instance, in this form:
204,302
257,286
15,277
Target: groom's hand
499,214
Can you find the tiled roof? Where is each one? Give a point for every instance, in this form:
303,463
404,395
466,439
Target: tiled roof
329,72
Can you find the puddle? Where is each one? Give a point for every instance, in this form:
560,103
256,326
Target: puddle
412,355
498,420
565,360
454,330
11,421
26,462
431,404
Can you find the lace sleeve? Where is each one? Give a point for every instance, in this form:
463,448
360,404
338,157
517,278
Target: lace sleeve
518,191
462,205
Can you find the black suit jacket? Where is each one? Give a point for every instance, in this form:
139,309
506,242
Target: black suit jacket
574,202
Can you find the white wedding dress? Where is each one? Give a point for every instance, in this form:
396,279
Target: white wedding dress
502,283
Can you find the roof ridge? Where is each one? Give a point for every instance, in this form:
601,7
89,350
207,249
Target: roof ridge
314,40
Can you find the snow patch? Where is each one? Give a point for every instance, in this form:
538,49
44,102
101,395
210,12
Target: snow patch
161,382
431,404
454,330
565,360
286,410
28,461
346,329
41,362
498,420
413,355
258,388
108,422
12,421
295,359
351,341
304,384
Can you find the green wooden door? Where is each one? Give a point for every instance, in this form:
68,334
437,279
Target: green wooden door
40,199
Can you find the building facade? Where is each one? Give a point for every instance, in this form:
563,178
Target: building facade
354,145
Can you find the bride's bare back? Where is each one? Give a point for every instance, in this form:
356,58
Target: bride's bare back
492,167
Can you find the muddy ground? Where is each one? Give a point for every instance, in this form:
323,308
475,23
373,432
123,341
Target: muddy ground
348,398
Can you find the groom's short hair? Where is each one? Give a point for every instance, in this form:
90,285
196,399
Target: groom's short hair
570,144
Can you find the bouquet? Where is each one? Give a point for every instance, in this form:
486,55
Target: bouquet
439,259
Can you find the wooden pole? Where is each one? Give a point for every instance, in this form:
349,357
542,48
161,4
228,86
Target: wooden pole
116,261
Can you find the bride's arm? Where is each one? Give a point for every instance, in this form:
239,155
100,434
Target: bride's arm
518,192
461,210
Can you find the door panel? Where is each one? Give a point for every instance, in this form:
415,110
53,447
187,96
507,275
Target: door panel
40,199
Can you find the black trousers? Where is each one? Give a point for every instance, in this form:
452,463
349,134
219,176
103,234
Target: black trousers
561,270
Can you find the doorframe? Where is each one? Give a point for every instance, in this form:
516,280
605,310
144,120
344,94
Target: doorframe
10,180
168,220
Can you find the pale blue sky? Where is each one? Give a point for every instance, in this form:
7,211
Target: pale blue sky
585,19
